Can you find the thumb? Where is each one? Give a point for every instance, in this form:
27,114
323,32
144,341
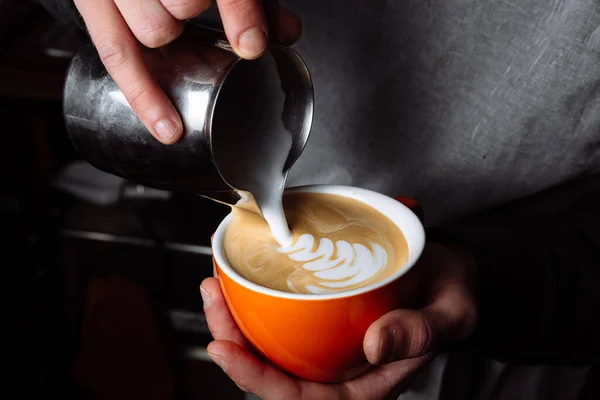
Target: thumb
403,333
400,334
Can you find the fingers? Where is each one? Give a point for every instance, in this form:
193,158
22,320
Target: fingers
122,58
450,314
403,334
400,334
386,381
219,318
252,375
245,26
150,22
114,26
185,9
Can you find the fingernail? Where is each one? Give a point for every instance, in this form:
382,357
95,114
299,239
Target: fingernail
219,360
206,297
166,129
252,42
387,342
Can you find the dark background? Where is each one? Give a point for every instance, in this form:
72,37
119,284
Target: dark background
105,297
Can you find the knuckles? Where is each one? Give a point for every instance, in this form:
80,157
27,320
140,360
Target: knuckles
158,30
186,9
113,52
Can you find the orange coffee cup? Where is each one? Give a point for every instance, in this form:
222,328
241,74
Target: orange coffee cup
319,337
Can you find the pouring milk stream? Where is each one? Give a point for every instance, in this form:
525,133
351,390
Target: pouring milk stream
260,169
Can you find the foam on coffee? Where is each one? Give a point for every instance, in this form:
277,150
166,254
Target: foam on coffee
338,244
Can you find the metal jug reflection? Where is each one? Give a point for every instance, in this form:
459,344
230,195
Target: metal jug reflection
223,101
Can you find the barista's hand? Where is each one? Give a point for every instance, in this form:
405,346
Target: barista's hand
400,343
114,26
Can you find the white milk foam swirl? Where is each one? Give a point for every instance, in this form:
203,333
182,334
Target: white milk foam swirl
336,266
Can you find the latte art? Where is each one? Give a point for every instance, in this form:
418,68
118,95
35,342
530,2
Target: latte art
338,244
338,265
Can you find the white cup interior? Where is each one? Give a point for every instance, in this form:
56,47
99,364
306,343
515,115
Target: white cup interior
397,212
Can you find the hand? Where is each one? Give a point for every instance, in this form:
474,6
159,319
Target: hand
114,26
400,343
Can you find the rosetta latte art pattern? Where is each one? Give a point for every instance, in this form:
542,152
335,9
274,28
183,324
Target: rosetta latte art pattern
338,244
337,265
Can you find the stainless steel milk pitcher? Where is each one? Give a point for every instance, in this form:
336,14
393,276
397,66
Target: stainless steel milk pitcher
220,98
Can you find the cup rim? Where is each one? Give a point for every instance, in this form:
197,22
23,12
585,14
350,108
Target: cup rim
403,217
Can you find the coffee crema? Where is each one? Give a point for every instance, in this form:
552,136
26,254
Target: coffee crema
338,244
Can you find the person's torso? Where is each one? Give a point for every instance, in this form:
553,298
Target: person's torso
463,104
